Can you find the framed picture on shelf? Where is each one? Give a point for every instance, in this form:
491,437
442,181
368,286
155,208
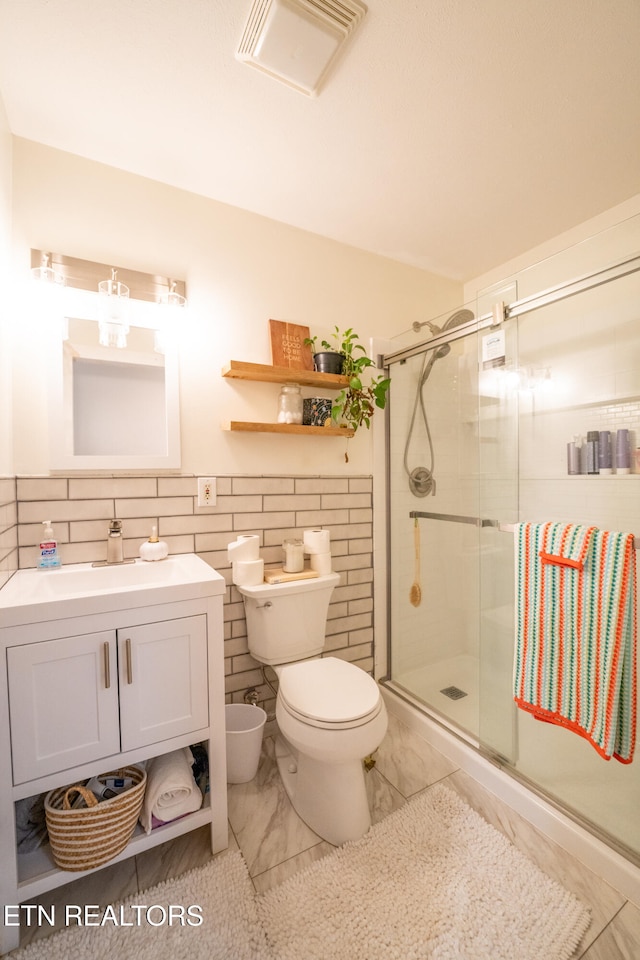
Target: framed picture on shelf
288,347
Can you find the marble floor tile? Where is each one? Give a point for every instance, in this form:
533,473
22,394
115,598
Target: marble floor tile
175,857
266,826
408,762
601,898
620,940
282,871
382,796
275,843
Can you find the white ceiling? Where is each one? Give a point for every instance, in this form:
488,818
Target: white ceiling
453,134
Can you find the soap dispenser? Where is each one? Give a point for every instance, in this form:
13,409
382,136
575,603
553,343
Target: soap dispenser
154,549
48,555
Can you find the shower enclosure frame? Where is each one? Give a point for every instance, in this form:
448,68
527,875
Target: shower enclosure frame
614,860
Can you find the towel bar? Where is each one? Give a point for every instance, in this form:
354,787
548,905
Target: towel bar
479,522
510,528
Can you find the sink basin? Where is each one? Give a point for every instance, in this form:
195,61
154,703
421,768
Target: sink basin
79,588
76,579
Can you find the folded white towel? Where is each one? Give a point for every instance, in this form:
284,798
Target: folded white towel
171,790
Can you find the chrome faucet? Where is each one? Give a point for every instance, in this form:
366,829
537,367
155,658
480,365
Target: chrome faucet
115,553
114,542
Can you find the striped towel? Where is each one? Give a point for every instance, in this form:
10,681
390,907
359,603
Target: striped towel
576,634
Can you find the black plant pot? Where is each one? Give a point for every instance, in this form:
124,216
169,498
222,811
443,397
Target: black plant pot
328,362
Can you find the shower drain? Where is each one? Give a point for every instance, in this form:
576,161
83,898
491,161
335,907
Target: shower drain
454,693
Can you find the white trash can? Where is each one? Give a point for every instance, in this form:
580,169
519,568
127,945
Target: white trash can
245,726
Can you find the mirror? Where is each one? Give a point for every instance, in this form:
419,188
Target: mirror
110,408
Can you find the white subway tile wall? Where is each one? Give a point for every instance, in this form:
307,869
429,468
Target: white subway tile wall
272,507
8,529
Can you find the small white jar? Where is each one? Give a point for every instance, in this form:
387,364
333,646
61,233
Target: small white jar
290,404
293,556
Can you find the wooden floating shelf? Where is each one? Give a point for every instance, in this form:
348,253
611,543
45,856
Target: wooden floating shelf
239,370
245,426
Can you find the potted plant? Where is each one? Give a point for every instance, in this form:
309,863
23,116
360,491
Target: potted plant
356,403
331,358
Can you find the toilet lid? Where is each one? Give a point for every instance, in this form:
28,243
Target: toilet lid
328,690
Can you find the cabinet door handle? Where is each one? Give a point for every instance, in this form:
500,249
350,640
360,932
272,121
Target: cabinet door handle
107,665
127,646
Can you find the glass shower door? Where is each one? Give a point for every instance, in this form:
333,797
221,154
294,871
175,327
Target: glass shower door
433,437
495,443
579,364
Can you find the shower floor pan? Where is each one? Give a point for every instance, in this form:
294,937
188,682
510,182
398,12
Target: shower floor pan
435,684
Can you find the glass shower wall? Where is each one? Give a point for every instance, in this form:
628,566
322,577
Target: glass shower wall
498,454
497,437
580,371
433,433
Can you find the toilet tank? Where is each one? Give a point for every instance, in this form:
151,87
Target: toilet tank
287,621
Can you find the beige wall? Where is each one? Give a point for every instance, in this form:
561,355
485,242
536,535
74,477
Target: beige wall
241,270
8,511
588,246
6,458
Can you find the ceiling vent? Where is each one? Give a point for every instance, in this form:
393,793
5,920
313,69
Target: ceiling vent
297,41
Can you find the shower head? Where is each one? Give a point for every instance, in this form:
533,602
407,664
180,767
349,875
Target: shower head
435,329
457,318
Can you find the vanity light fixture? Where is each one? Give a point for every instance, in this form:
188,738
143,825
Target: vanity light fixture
113,325
47,289
173,302
45,272
175,299
128,299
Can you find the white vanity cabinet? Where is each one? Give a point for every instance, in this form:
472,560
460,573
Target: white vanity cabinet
163,680
92,682
86,697
63,706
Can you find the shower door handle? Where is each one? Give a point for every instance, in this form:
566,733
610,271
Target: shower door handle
449,517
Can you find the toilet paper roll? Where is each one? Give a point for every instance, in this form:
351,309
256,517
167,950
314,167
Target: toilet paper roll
317,541
245,547
321,563
247,573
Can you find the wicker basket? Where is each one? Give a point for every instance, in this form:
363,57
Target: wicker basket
86,837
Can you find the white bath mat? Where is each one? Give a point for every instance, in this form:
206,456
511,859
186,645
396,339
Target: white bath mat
432,880
230,928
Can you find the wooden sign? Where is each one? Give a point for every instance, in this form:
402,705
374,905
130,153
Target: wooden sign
287,345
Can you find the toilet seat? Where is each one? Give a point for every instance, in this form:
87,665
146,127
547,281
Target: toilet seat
329,693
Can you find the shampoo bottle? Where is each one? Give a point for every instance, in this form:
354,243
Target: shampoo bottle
604,452
593,438
573,456
48,555
623,452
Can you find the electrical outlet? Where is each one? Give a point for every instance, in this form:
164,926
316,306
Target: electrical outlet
206,491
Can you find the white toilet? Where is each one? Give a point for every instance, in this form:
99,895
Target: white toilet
330,713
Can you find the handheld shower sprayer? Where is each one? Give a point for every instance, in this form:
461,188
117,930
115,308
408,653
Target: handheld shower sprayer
421,479
437,354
